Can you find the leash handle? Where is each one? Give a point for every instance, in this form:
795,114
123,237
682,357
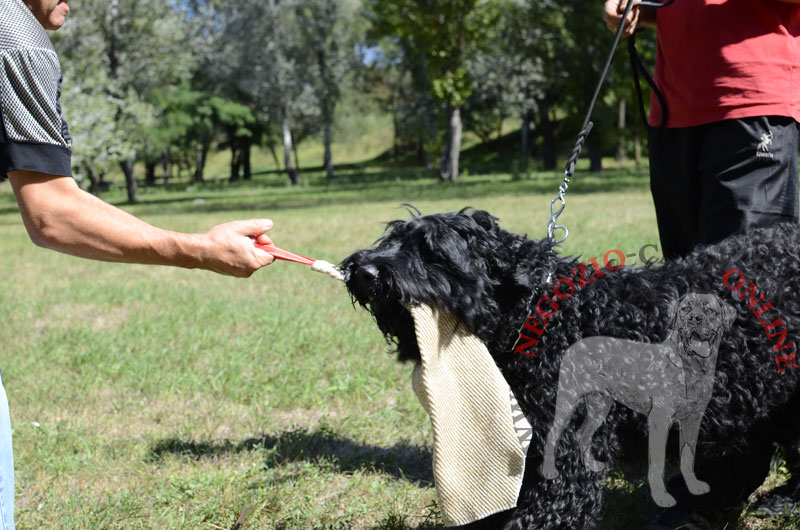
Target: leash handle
279,253
317,265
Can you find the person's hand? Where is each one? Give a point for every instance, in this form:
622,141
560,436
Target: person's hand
612,15
231,250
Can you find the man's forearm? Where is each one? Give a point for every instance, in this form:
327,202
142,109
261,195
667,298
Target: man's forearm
60,216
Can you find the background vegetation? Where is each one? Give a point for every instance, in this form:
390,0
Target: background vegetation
162,84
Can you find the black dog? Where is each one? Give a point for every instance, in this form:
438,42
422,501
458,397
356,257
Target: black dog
466,265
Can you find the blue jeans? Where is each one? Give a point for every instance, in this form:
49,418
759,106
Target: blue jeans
6,465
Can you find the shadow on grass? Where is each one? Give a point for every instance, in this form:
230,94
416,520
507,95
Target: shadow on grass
403,461
627,503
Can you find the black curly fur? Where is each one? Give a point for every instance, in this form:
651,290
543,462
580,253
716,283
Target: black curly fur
465,264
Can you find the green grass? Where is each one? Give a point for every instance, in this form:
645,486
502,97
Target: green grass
147,397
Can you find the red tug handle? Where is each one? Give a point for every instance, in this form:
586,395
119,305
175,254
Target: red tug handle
279,253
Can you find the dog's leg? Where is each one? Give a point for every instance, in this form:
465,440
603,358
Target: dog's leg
566,401
785,499
690,428
658,423
597,407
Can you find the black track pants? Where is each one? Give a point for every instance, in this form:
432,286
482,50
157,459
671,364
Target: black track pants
714,180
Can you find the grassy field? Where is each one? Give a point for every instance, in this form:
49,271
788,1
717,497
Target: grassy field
146,397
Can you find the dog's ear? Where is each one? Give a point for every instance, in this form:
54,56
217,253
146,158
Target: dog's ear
728,313
672,310
484,219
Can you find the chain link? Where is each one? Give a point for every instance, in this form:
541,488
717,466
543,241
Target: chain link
561,199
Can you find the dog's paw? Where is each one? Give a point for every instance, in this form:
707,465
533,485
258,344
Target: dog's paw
697,487
592,464
663,499
597,467
549,470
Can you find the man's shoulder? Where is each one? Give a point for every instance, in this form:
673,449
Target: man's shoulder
19,29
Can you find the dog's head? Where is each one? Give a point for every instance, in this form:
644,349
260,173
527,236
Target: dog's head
699,320
460,262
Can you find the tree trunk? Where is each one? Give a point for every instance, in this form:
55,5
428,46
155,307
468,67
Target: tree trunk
455,147
595,159
275,156
150,172
102,183
429,132
327,110
112,23
130,179
94,183
200,154
246,168
524,133
296,157
395,146
444,163
165,165
452,147
548,138
637,148
287,153
235,160
621,154
328,155
421,155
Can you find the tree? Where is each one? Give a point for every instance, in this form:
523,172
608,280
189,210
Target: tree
507,78
269,71
133,47
321,24
240,127
585,44
87,108
442,34
398,79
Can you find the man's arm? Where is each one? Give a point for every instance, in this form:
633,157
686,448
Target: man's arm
60,216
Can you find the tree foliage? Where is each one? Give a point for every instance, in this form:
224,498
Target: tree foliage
164,82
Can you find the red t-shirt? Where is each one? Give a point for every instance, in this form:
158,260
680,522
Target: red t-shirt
725,59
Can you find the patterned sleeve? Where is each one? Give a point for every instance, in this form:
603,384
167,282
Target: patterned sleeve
33,134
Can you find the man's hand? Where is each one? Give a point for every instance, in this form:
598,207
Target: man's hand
232,251
614,9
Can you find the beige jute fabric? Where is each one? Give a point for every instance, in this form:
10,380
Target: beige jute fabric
478,452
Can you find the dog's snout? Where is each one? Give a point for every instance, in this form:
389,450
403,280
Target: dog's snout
365,277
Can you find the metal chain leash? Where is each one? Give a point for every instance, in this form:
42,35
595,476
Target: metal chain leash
559,203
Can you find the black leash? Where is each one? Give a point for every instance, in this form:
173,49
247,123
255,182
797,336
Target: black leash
639,68
569,170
